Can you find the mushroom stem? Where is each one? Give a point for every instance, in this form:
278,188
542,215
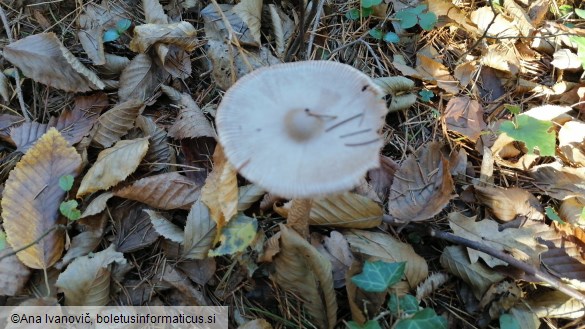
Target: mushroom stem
298,216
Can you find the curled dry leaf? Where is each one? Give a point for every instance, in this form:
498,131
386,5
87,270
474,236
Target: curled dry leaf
116,122
347,210
519,17
159,152
248,195
565,257
86,281
501,26
191,122
565,59
436,72
300,268
154,13
163,191
175,60
431,284
181,34
455,14
13,274
31,200
400,88
519,242
44,59
282,26
571,142
503,58
164,227
140,79
465,116
113,165
558,181
422,186
380,246
114,66
509,153
507,204
555,304
97,205
200,232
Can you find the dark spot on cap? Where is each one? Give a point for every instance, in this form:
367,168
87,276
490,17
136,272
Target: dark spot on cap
364,88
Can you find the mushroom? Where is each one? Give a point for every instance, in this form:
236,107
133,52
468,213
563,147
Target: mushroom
302,130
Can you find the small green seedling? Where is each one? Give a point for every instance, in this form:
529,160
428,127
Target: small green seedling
410,17
426,95
552,214
355,14
113,34
68,208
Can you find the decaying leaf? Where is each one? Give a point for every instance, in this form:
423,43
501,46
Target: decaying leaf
565,257
86,281
465,116
200,232
44,59
163,191
97,205
422,186
507,204
13,274
113,165
134,229
455,14
191,122
501,27
565,59
400,88
519,242
236,236
380,246
282,26
381,178
140,79
181,34
571,211
559,182
300,268
116,122
555,304
347,210
31,200
244,20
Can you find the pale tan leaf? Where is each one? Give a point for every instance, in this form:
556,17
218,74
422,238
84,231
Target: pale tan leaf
250,12
559,182
431,284
465,116
572,142
116,122
501,27
435,72
571,210
399,63
163,191
86,281
565,59
13,274
44,59
159,151
248,195
507,204
478,276
300,268
182,34
282,26
464,72
565,257
422,186
114,65
154,12
347,210
31,198
140,79
384,247
555,304
92,41
200,231
400,88
457,16
97,205
519,242
164,227
113,165
503,58
220,192
215,30
191,122
519,16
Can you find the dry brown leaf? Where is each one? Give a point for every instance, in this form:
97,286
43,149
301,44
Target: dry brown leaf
116,122
250,11
565,59
114,66
113,165
191,122
164,227
97,205
422,186
572,142
457,16
86,241
381,178
200,232
92,41
464,72
7,123
220,192
134,229
44,59
175,60
25,135
31,199
571,211
507,204
86,281
154,12
4,87
347,210
507,152
282,26
435,72
501,26
519,17
465,116
300,268
559,182
215,30
399,63
555,304
13,274
163,191
503,58
380,246
140,79
159,152
519,242
182,34
335,248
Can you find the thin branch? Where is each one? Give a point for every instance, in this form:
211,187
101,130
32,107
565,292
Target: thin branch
16,74
551,280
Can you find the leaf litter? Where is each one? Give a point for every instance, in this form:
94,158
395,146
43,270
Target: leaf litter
481,139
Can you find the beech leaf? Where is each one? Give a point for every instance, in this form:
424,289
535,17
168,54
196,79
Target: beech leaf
116,122
200,232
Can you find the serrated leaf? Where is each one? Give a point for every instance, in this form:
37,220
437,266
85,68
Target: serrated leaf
379,275
163,191
116,122
191,122
140,79
31,199
44,59
154,12
69,209
97,205
425,319
86,281
164,227
536,134
113,165
66,182
236,236
200,231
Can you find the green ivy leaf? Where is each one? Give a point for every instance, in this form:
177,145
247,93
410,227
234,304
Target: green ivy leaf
425,319
236,236
376,34
407,304
368,325
391,37
580,12
66,182
378,276
69,209
507,321
552,214
426,95
123,25
427,21
111,35
533,132
370,3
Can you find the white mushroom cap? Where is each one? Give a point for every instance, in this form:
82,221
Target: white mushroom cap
303,129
